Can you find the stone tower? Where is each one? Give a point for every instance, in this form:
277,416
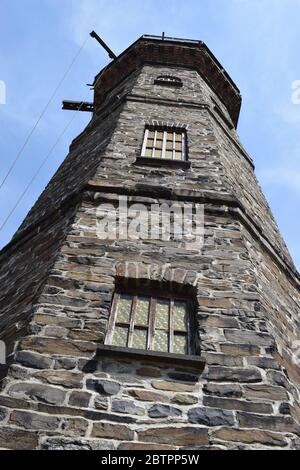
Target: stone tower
145,343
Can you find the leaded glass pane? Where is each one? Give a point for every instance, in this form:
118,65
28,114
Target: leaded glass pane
161,341
180,344
169,146
178,156
120,336
160,135
169,154
162,315
139,340
178,146
124,309
159,144
148,153
142,311
179,316
151,135
178,137
157,154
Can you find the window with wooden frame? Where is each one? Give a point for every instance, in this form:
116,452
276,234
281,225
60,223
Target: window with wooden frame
162,324
164,143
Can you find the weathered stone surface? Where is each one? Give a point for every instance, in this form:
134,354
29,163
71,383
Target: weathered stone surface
178,436
222,360
80,399
146,395
240,349
44,393
34,421
223,390
33,360
234,374
249,337
144,446
183,377
265,392
272,423
163,411
263,362
148,372
64,322
76,426
63,443
113,431
104,387
58,346
172,386
253,436
242,405
185,400
17,439
211,417
127,407
3,413
65,363
101,403
63,378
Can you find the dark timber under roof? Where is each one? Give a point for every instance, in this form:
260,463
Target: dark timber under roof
175,52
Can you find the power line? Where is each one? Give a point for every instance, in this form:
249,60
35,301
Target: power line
51,149
37,172
43,112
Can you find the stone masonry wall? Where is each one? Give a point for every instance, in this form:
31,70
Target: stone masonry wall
58,392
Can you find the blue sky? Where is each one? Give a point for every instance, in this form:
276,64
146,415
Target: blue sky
257,41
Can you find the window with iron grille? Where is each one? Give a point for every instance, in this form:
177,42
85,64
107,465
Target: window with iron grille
168,80
165,144
162,324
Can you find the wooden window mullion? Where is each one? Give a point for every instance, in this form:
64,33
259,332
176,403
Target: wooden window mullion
112,318
154,144
163,154
174,145
132,320
145,142
171,326
183,148
151,323
189,328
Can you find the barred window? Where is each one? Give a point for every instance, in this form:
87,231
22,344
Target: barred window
168,80
151,323
164,143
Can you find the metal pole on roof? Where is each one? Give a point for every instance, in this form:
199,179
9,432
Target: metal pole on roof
111,54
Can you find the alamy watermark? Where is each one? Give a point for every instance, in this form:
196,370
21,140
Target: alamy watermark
2,92
2,353
296,351
180,222
296,92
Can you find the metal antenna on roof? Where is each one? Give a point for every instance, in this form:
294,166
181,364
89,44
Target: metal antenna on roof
111,54
163,36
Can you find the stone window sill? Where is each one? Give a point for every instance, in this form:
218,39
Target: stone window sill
194,362
184,164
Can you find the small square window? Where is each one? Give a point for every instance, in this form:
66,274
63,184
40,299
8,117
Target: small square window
165,144
149,322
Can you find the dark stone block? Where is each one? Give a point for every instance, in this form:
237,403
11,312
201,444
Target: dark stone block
103,387
211,417
163,411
